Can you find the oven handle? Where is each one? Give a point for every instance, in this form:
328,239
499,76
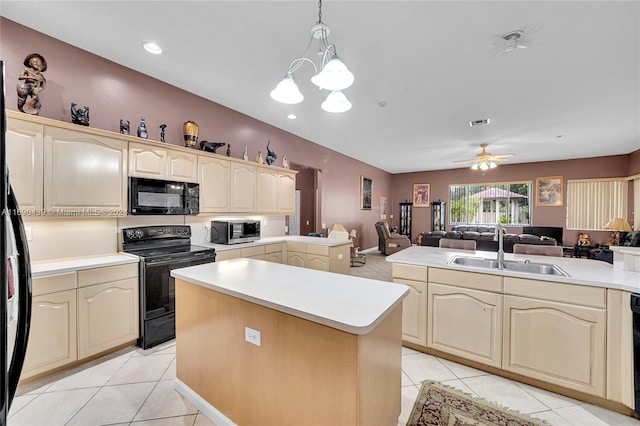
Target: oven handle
169,261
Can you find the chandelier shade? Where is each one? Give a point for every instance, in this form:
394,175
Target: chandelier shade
336,102
287,91
333,75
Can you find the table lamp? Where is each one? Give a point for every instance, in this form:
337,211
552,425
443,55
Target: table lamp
620,227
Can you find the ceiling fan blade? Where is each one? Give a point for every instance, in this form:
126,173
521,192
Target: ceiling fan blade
470,160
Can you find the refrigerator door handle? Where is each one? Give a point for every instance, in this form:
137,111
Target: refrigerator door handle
23,276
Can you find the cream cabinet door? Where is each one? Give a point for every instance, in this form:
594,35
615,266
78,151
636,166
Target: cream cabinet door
267,191
414,312
182,166
228,254
107,316
464,322
273,257
52,337
317,262
243,187
297,259
214,176
555,342
84,173
147,161
25,159
286,193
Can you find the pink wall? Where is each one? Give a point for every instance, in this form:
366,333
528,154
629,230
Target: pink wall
113,92
613,166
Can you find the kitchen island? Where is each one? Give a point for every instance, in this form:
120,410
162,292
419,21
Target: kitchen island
571,334
259,342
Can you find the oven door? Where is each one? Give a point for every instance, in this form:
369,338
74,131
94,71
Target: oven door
151,196
159,286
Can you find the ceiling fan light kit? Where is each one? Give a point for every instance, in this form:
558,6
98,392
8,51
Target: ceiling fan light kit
333,75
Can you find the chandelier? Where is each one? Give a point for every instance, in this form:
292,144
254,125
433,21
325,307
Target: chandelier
333,75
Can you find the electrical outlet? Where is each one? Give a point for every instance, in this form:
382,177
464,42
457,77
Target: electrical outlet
340,256
253,336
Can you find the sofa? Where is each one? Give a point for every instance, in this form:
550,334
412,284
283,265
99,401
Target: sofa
483,236
390,242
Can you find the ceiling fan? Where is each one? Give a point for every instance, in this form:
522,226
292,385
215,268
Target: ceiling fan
485,160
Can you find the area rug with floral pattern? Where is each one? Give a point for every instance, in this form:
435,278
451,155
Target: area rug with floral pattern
440,405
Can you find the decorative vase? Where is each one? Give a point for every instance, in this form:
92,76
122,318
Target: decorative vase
259,158
245,156
124,127
79,115
142,129
190,130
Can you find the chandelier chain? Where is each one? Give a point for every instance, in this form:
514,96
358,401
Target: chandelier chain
319,12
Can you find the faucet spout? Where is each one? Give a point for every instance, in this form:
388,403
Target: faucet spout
499,237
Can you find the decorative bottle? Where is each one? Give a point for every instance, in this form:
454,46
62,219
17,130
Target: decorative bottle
142,129
190,130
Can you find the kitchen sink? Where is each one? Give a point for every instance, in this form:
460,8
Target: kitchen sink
509,265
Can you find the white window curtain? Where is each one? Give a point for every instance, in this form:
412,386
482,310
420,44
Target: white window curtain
591,203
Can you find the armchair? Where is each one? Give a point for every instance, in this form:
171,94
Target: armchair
388,242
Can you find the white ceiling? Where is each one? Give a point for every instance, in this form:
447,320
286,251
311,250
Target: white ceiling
573,93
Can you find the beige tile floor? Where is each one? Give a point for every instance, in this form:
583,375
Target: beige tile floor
135,387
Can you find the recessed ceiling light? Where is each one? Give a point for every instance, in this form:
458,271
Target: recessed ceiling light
291,116
152,48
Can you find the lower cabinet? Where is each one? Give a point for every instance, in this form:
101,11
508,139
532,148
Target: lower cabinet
52,336
317,262
107,316
414,312
465,322
70,323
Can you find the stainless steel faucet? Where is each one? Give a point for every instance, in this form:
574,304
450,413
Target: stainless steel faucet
499,237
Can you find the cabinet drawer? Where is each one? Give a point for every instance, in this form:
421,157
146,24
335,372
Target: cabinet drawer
273,248
252,251
296,247
410,272
466,279
108,273
54,283
557,292
319,250
227,254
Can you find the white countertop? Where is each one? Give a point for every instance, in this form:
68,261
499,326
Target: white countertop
282,239
351,304
61,266
581,271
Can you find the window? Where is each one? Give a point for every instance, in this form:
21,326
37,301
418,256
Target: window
506,202
593,202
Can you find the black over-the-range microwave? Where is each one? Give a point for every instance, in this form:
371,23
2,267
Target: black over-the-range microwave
153,196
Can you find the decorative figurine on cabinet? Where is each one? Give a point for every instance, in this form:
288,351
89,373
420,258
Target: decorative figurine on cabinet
228,150
245,156
271,156
259,159
162,127
285,162
190,130
142,129
211,146
124,126
79,115
31,83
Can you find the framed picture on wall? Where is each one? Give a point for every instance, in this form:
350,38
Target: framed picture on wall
420,195
383,207
366,191
549,191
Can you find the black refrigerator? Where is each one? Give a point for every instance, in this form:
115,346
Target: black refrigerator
15,279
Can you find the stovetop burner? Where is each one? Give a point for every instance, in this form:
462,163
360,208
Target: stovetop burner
159,241
162,251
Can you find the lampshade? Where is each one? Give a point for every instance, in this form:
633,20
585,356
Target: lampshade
483,165
618,224
336,102
334,76
287,91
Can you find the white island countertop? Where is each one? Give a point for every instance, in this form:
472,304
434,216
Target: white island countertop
581,271
351,304
317,241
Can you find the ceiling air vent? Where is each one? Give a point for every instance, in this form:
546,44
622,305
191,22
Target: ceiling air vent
483,122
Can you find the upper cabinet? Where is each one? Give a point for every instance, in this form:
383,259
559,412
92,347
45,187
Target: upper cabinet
214,175
154,162
25,159
84,173
243,184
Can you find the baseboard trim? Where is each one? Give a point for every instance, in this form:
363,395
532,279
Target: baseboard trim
201,404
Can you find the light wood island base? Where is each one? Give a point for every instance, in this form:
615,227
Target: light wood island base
303,372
